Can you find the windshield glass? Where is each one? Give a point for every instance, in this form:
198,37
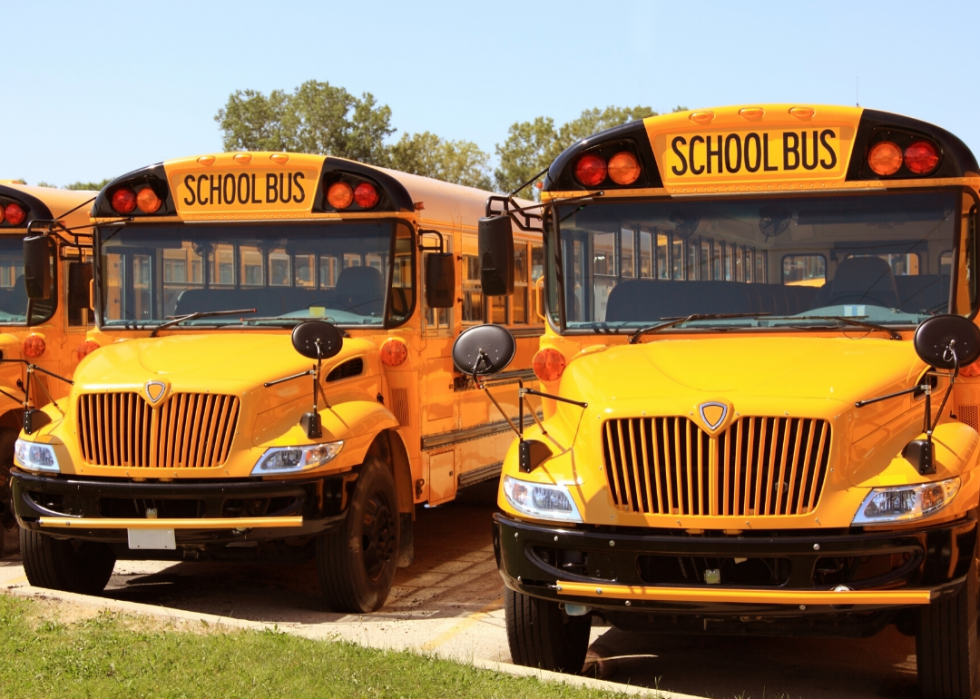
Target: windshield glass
13,293
775,262
276,273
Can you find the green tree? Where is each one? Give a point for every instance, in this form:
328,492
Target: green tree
460,162
315,118
88,186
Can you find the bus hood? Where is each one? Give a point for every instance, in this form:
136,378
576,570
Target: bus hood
763,369
226,360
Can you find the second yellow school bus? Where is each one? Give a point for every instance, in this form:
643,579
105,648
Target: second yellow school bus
196,431
755,317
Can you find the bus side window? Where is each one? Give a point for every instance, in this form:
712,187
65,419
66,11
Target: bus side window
472,292
804,270
519,301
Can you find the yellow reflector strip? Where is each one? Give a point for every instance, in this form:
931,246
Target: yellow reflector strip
139,523
206,160
702,117
243,158
741,596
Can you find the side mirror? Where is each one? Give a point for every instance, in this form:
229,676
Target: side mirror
79,286
37,267
483,350
947,342
440,280
317,339
496,249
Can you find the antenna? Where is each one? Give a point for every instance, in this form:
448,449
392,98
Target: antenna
857,91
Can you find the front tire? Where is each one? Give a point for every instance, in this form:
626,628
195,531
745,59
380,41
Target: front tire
356,561
71,566
541,634
946,643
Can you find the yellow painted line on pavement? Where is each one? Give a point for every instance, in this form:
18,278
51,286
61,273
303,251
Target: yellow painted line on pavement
466,623
22,578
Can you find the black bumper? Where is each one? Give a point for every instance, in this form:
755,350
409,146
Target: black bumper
322,503
532,558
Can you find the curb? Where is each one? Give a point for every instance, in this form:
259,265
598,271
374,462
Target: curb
168,614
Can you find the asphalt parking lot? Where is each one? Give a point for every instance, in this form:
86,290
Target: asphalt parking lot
450,602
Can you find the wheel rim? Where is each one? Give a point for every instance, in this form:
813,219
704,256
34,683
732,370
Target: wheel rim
378,537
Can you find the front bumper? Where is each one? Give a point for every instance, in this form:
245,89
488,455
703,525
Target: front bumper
629,571
214,512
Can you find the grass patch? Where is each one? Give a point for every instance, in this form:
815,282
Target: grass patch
111,655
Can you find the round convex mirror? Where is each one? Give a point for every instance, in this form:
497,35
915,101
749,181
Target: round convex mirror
937,336
484,350
317,339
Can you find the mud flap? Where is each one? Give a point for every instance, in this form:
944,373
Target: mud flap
406,541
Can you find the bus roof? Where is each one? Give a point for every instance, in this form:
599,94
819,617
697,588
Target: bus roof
758,148
266,185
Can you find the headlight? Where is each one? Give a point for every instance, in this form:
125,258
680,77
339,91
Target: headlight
904,503
541,500
35,457
293,459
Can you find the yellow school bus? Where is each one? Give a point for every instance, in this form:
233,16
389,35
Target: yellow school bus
39,338
274,379
763,407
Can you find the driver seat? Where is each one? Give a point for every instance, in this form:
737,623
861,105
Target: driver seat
867,280
360,290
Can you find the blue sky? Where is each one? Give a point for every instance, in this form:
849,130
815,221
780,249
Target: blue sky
97,89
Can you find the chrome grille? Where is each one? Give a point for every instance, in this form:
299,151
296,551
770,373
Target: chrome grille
189,430
758,466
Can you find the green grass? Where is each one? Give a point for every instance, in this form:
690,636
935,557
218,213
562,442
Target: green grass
120,656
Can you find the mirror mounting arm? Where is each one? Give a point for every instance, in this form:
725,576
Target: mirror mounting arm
423,247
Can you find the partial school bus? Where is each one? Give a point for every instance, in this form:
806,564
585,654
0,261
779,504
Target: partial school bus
39,337
271,378
764,415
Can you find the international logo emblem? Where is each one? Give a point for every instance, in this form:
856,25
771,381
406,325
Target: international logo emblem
155,390
713,414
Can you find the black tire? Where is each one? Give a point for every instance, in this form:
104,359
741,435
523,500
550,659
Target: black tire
62,564
946,644
9,538
356,561
542,635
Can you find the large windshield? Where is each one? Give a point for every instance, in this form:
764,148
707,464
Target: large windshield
352,274
885,258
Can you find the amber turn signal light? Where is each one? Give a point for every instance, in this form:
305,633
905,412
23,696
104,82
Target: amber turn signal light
148,201
885,158
394,352
340,195
34,346
86,348
548,364
624,168
590,170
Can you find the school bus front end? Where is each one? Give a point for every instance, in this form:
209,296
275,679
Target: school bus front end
729,291
236,406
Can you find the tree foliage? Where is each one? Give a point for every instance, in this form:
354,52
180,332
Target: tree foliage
88,186
315,118
461,162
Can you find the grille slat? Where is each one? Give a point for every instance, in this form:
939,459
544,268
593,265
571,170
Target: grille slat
758,466
190,430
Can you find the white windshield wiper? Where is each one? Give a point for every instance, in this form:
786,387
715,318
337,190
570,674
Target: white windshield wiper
847,320
671,322
176,320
